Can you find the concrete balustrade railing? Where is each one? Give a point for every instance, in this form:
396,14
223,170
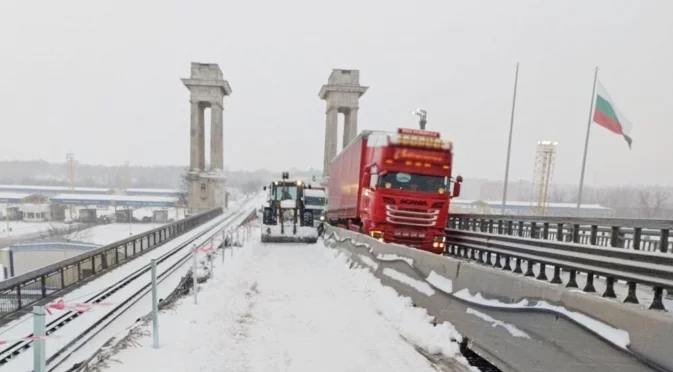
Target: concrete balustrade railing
648,332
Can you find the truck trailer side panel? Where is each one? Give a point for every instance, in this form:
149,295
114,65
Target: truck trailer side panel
345,173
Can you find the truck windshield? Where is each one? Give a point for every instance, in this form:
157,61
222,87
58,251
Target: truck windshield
315,200
413,182
286,192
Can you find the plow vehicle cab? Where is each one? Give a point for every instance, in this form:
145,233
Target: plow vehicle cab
285,216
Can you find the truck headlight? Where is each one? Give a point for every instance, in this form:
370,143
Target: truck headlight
322,218
377,235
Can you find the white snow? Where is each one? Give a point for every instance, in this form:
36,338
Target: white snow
302,231
479,299
112,232
512,329
394,257
288,204
418,285
617,336
20,228
443,283
368,261
292,307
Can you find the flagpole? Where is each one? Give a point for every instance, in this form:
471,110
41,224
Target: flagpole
586,141
509,144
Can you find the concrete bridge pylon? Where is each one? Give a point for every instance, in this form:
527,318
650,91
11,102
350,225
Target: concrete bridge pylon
207,89
342,95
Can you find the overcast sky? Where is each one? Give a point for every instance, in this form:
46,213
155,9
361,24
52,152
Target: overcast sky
102,80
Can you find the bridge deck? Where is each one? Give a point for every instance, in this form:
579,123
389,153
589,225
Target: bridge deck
291,307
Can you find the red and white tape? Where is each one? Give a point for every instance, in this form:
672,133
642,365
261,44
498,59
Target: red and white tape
28,338
204,249
81,307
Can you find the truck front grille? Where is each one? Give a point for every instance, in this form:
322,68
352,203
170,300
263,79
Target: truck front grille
411,217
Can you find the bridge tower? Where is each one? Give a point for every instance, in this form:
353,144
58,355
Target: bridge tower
342,94
207,89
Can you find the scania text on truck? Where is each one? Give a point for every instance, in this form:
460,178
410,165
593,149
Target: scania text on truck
394,187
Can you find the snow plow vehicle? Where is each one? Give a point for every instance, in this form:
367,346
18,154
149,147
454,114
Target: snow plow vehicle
285,216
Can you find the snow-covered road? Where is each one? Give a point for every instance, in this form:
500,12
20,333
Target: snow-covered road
290,307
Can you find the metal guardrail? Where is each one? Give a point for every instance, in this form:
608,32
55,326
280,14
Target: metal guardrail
251,216
640,234
26,289
529,238
183,288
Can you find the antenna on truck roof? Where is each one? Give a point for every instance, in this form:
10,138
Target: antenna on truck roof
422,114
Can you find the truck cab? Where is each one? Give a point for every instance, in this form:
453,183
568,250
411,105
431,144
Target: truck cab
399,187
315,200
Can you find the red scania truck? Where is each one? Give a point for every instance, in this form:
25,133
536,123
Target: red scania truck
394,187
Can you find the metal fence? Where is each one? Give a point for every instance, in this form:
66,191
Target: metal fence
639,234
636,251
21,291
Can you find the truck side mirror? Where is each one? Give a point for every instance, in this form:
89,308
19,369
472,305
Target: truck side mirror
264,188
456,190
456,187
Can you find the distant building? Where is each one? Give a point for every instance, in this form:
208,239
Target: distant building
30,207
153,192
517,208
54,190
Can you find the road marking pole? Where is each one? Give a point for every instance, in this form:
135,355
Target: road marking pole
212,244
196,299
155,307
224,246
39,329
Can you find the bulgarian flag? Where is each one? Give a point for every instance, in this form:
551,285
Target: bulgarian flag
607,115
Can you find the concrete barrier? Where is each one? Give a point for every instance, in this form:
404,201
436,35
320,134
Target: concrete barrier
650,332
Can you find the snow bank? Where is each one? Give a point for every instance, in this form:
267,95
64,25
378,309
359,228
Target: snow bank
445,284
512,329
412,323
614,335
418,285
394,257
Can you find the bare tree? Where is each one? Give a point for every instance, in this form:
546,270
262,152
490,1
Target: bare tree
252,187
652,202
183,188
559,195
